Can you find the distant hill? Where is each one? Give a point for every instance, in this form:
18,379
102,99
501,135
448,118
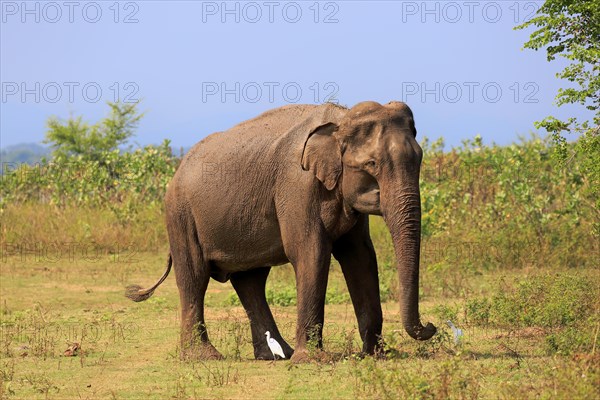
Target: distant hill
29,153
32,153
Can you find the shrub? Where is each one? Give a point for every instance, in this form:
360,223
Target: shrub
565,305
550,301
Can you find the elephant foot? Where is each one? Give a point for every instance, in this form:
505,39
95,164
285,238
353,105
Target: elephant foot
363,354
379,354
304,356
201,352
300,356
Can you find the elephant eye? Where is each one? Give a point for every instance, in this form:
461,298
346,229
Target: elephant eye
370,164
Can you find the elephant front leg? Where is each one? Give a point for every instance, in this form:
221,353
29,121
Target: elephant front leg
250,287
358,261
312,270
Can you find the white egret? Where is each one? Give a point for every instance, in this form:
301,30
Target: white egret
458,333
274,346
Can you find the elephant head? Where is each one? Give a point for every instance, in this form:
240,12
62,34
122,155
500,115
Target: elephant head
372,156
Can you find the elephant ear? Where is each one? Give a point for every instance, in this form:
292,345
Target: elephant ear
322,155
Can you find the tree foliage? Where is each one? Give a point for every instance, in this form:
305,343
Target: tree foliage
88,169
75,137
571,29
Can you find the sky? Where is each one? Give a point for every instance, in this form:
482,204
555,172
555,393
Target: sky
198,67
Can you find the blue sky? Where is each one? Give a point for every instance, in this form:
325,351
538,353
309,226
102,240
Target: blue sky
201,67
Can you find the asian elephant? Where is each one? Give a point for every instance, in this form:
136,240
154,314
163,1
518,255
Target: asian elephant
296,184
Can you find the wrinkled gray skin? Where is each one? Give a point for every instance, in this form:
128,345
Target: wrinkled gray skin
296,184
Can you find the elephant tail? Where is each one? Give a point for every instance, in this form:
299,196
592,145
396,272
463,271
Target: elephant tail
137,293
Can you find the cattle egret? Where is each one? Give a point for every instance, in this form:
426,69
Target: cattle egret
274,346
458,333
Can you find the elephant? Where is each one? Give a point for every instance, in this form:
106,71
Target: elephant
296,185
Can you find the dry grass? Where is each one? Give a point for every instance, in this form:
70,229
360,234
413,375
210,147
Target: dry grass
52,232
129,350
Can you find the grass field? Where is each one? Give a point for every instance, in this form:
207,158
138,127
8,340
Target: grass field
509,254
129,350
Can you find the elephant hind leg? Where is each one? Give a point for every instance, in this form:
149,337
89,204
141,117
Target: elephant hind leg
192,275
195,343
250,287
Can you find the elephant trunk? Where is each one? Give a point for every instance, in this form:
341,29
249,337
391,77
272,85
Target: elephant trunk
402,213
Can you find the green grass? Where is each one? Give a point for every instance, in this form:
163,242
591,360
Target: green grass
129,350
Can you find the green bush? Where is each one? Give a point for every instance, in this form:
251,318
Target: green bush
392,380
123,181
483,207
550,301
506,206
566,306
337,296
571,340
285,296
282,296
478,311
